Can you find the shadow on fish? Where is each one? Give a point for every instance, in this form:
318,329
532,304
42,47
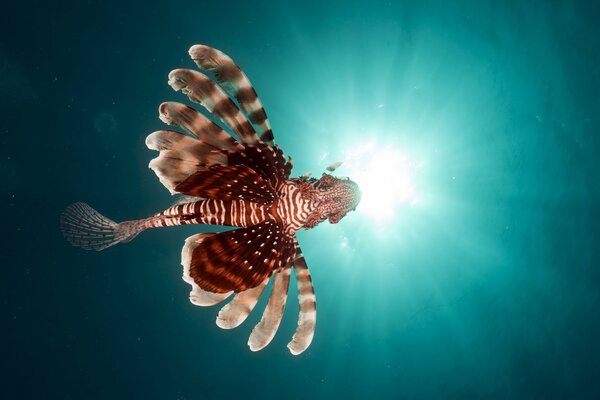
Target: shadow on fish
242,182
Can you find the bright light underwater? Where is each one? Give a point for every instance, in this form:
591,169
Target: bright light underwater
387,178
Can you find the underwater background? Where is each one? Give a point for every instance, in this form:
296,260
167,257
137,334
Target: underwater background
483,282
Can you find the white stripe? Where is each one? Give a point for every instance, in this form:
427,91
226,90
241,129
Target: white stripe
222,212
243,213
234,213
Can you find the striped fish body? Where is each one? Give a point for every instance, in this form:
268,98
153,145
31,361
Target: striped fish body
298,203
290,209
293,207
238,213
304,203
233,175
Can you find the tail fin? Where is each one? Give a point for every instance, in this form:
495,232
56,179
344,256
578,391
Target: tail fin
86,228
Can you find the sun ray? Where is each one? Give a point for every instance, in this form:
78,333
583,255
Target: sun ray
387,176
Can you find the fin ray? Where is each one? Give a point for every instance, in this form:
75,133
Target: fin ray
196,124
237,260
228,183
265,330
198,296
202,90
85,227
236,311
307,316
180,157
267,161
236,84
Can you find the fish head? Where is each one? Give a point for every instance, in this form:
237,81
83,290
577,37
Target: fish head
338,197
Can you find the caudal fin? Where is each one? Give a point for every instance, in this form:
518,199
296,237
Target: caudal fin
86,228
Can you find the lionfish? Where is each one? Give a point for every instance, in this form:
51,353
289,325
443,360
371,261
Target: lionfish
243,183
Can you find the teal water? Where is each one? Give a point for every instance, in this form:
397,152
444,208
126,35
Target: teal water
487,285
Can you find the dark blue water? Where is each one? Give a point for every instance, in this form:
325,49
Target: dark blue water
488,286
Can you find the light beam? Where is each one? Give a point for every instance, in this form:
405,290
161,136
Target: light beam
386,177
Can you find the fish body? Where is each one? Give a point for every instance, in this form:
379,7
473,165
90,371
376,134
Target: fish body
334,166
243,183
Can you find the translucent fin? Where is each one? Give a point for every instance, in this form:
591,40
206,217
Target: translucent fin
265,330
237,182
180,156
198,296
200,89
236,311
236,260
267,161
235,83
184,199
196,124
86,228
307,317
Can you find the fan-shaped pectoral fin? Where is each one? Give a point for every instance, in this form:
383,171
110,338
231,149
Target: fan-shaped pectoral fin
180,157
202,90
235,83
198,296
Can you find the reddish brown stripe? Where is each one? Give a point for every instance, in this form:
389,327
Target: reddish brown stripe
234,313
264,332
228,72
201,89
268,162
235,260
180,156
246,95
258,116
227,183
267,136
232,80
225,108
196,124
